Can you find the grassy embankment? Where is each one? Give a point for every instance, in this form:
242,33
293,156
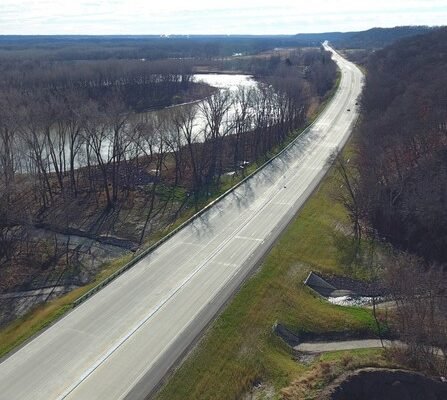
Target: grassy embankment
34,321
240,347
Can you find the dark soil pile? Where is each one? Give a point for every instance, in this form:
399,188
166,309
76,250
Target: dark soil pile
385,384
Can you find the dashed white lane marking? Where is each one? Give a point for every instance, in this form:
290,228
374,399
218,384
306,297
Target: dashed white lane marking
248,238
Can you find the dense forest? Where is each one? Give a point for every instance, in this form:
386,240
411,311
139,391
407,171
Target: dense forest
404,145
80,156
67,48
396,192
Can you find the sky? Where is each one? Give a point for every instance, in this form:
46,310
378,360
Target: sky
139,17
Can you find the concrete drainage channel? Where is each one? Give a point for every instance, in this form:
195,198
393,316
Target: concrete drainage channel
149,250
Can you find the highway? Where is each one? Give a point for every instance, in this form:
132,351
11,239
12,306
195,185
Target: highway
121,342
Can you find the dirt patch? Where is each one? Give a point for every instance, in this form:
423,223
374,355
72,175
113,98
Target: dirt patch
260,391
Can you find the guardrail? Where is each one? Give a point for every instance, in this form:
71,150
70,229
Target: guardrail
165,238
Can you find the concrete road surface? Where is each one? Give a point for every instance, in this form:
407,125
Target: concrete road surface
121,342
323,347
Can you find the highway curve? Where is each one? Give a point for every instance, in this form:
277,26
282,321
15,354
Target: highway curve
120,342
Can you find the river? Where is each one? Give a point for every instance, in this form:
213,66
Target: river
223,82
231,82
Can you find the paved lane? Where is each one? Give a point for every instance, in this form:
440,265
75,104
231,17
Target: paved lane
342,345
121,342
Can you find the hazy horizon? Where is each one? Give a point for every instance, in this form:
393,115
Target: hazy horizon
198,17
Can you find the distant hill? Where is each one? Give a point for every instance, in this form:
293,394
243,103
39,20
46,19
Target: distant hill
150,47
371,38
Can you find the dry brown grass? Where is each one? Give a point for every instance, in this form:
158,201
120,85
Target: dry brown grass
311,383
